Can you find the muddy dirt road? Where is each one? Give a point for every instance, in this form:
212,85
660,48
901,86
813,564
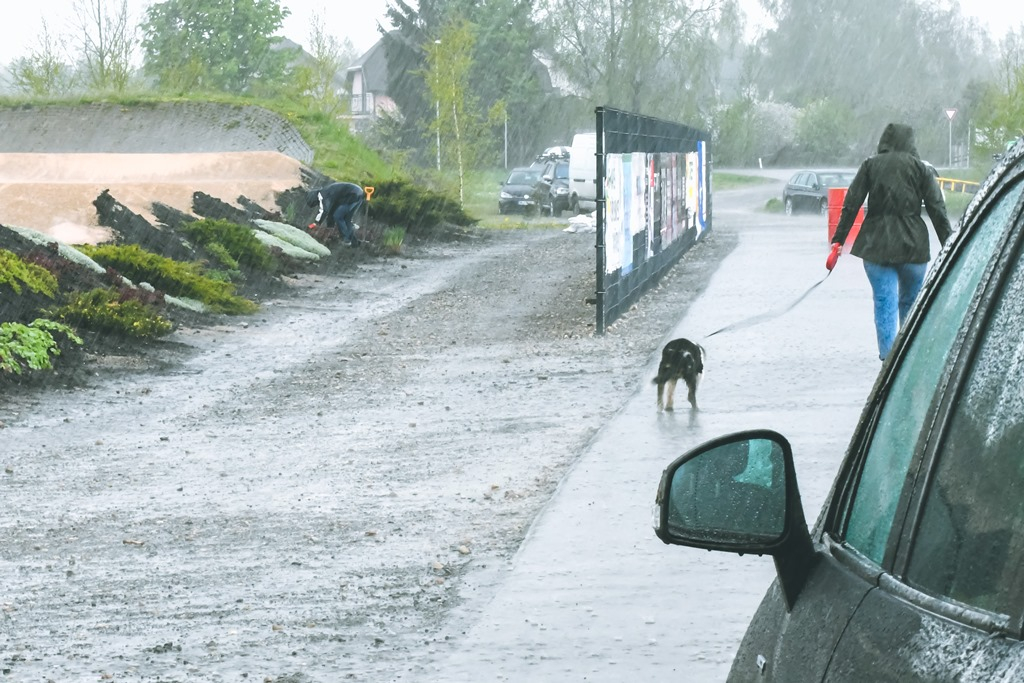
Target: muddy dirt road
297,495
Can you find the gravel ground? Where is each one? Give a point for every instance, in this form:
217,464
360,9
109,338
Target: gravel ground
302,495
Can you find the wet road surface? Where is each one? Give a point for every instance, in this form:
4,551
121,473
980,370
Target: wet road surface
593,595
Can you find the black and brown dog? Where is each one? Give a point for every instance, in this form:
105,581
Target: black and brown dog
681,359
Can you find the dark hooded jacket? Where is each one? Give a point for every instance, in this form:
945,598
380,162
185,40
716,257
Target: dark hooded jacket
895,182
329,198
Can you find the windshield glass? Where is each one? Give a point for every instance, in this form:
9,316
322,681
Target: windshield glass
522,178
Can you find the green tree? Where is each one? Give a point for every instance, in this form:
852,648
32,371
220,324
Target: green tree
505,69
460,127
822,134
44,72
214,45
1003,117
106,44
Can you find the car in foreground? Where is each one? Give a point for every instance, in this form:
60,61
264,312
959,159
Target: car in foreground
516,194
912,571
808,190
551,191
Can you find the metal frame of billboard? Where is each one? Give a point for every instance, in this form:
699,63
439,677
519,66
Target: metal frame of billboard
674,169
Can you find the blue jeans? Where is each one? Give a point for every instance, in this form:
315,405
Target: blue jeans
895,289
343,214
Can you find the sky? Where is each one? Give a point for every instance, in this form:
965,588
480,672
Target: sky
353,19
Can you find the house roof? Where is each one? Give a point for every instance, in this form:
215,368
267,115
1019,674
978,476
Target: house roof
374,66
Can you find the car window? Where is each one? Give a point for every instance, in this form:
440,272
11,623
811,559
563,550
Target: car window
562,171
901,421
835,180
971,537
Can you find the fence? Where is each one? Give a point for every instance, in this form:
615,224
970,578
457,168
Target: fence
653,204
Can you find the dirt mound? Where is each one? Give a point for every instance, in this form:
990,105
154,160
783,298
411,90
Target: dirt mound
54,193
56,159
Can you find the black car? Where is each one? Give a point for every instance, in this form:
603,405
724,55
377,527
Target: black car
552,190
516,195
808,190
912,571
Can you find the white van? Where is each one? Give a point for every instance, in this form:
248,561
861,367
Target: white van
583,174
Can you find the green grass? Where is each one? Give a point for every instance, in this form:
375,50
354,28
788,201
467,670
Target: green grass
732,181
481,202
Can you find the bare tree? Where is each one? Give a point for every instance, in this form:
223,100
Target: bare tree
329,57
45,71
106,42
655,56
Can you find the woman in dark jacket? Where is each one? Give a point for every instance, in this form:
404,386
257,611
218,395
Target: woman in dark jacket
893,240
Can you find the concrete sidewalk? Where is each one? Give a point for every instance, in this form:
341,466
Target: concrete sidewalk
593,595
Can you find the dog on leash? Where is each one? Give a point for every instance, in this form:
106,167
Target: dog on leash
681,359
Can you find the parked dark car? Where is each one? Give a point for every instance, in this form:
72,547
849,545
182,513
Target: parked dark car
552,189
516,195
912,571
808,190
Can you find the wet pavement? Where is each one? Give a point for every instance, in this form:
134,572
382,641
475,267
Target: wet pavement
592,594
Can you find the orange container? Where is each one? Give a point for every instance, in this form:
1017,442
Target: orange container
836,195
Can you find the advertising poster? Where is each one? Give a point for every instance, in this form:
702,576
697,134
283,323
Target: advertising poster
629,202
660,193
702,156
614,213
638,201
692,189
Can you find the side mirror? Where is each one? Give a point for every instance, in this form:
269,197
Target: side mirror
738,493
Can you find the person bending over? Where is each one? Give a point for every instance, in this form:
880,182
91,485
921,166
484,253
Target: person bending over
338,204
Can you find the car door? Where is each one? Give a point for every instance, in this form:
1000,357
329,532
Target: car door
933,507
812,195
799,191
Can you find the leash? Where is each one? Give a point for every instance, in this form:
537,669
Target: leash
764,317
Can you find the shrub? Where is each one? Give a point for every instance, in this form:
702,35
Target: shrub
111,312
15,272
221,237
31,346
399,202
173,277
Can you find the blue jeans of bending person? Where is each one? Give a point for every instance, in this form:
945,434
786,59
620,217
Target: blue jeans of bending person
343,215
895,288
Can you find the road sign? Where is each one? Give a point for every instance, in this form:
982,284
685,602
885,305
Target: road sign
950,113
